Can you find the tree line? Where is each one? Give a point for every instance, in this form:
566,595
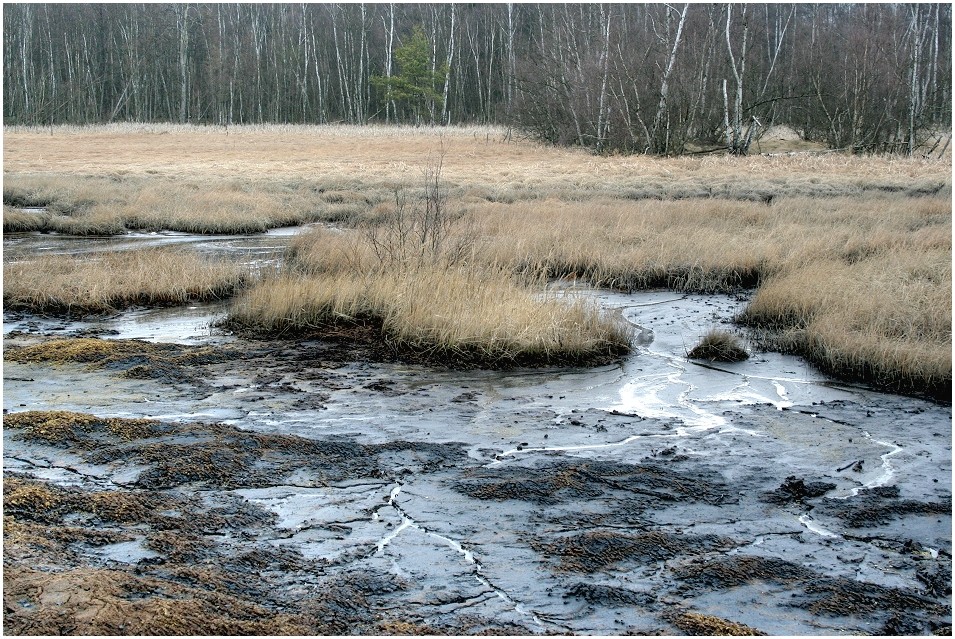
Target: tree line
633,78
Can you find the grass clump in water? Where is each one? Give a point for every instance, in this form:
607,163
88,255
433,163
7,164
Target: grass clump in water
81,285
452,316
719,346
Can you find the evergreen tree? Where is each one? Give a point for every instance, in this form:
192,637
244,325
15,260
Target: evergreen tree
414,89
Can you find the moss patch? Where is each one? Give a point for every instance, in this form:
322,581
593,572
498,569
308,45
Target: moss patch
594,551
63,428
134,359
91,601
707,625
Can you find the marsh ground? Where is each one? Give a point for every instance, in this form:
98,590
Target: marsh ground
308,486
298,488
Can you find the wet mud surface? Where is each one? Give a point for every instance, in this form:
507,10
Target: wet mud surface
183,481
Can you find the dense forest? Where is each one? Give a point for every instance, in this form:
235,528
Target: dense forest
635,78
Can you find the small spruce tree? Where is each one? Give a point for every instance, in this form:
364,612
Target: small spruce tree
413,89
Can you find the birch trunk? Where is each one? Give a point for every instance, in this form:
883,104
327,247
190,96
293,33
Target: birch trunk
182,17
445,114
665,90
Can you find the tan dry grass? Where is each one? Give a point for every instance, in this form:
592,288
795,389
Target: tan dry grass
87,205
860,286
482,164
19,221
735,221
458,316
719,346
110,281
697,245
886,318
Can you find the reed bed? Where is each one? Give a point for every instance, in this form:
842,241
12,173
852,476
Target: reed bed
694,245
81,285
458,316
859,286
489,164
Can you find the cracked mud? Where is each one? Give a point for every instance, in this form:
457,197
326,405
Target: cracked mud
209,485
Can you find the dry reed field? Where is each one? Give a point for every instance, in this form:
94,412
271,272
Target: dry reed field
851,255
481,163
112,206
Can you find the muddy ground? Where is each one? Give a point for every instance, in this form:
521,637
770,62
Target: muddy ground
209,485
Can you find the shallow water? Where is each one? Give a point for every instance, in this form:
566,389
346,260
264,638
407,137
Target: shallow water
657,451
257,251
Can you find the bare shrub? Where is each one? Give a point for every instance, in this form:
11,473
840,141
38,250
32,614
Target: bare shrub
421,229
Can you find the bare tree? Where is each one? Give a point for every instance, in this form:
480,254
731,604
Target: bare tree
659,129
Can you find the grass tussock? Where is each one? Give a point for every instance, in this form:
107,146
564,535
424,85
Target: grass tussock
886,319
77,285
411,280
21,221
457,316
719,346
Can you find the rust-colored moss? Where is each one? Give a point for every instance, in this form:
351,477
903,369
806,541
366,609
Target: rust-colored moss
693,623
66,427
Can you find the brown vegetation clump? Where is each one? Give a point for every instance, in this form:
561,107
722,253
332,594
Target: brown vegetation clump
85,350
455,316
693,623
51,588
65,427
885,318
35,501
132,359
78,285
20,221
719,346
97,601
